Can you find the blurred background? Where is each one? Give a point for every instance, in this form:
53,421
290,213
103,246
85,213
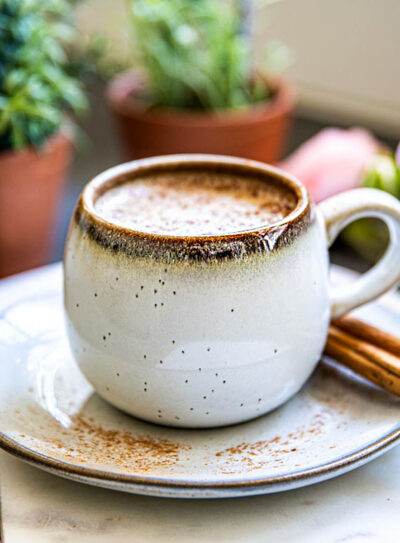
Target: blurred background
312,85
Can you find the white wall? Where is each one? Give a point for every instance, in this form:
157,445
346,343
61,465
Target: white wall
347,57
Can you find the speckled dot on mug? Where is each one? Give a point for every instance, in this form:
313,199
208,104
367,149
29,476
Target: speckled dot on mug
210,329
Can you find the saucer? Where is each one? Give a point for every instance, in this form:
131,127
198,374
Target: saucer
51,418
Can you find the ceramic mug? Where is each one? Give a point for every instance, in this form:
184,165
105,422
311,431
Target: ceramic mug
203,331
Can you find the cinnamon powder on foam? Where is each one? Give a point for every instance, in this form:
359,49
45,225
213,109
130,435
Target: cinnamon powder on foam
194,203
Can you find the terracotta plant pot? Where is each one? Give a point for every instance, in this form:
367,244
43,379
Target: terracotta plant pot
258,133
31,184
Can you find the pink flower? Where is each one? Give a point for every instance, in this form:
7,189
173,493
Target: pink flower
332,161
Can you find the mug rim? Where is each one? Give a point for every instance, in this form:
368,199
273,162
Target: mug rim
126,171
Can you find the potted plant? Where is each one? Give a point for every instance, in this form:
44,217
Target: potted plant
197,87
37,90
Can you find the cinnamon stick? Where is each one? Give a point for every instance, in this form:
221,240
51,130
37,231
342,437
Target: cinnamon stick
369,333
371,361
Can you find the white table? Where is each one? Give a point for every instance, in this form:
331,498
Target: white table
362,506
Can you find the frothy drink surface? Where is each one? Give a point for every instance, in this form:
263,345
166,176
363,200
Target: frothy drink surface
194,203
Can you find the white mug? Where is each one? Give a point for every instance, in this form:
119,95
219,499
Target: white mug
204,331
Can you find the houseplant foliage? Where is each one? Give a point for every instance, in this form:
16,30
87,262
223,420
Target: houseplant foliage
39,89
195,63
196,54
36,84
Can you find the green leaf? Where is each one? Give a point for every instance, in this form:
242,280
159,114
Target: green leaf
195,53
37,85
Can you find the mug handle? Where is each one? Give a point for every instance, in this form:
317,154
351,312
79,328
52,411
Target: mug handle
340,210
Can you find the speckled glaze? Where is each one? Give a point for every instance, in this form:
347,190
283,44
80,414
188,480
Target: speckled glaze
197,331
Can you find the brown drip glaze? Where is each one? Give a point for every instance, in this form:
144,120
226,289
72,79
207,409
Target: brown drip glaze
201,248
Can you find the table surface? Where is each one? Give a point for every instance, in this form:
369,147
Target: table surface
360,506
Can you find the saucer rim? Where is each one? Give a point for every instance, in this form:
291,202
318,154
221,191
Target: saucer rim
341,465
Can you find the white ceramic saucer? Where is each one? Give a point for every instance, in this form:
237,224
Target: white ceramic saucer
50,417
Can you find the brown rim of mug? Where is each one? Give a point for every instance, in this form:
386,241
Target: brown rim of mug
199,247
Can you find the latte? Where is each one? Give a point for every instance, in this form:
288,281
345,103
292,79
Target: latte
194,203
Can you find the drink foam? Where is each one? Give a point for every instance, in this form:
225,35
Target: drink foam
195,203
